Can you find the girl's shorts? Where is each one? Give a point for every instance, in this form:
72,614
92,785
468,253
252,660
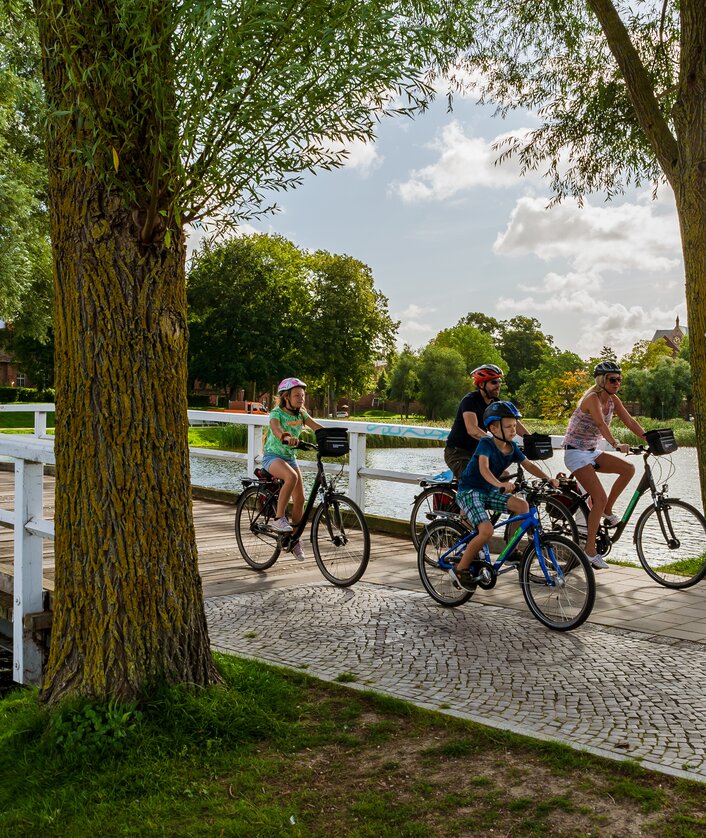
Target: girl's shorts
267,459
477,502
576,458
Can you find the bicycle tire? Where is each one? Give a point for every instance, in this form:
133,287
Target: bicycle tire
341,540
432,504
671,543
259,548
563,603
439,537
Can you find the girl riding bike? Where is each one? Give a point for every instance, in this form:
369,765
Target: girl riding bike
286,424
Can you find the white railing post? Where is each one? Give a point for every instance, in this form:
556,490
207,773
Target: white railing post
254,447
27,598
40,423
356,462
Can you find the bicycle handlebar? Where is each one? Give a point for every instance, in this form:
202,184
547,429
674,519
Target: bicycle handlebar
306,446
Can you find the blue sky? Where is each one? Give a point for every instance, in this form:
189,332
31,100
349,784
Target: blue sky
446,231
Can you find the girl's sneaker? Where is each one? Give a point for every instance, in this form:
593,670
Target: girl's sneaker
611,520
298,552
281,525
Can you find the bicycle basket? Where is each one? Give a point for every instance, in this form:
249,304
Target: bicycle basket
661,441
332,442
537,446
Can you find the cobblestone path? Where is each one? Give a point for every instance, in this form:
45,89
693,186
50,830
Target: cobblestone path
614,692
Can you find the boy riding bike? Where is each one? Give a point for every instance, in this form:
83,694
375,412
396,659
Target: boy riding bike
481,486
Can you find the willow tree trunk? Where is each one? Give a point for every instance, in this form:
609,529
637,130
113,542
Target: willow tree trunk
128,598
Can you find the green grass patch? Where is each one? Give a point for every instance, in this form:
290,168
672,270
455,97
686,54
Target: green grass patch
273,753
22,419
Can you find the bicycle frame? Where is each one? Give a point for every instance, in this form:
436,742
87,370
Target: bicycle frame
528,520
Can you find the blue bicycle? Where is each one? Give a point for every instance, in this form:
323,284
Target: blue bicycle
556,578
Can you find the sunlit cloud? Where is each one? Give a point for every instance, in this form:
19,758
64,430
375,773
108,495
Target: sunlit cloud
463,163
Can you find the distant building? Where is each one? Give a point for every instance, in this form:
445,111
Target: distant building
672,337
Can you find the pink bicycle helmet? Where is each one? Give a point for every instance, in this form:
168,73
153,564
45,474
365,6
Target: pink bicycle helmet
287,384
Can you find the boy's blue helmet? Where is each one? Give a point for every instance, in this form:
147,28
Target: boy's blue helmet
500,410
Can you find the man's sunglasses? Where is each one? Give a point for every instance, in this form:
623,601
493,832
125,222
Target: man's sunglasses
614,379
494,381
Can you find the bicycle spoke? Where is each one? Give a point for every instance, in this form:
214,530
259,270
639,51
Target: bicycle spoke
341,540
258,545
671,544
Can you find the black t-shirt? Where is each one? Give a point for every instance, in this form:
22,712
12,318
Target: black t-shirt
459,436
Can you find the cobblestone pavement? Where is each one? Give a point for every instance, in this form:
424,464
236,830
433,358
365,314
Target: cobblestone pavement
614,692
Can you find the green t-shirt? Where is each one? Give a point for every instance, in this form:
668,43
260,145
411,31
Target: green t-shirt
290,424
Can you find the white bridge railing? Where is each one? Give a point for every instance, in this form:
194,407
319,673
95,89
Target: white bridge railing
31,452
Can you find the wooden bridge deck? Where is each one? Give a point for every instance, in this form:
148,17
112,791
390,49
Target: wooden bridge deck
223,570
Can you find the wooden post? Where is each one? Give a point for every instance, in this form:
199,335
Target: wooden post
356,461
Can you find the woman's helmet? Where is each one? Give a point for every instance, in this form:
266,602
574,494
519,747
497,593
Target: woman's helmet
605,367
485,373
287,384
500,410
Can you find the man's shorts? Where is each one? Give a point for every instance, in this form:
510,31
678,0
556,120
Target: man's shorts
476,503
457,459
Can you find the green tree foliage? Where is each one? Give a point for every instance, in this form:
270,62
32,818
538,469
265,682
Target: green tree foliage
484,323
549,376
404,378
660,389
476,347
442,381
32,356
524,346
620,90
347,326
684,353
247,300
645,354
560,396
25,252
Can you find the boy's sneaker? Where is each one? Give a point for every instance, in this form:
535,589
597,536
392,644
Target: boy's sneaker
298,552
463,579
281,525
611,520
598,562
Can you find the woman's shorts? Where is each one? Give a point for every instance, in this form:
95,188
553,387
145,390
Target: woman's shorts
576,458
476,503
267,459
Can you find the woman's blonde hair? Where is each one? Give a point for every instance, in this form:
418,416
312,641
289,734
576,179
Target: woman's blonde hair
596,387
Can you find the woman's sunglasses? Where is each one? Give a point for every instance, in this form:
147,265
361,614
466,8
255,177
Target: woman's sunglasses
614,379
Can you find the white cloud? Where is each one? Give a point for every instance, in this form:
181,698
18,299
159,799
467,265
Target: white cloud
627,237
463,163
637,241
362,157
414,328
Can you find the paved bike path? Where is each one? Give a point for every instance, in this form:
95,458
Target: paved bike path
615,692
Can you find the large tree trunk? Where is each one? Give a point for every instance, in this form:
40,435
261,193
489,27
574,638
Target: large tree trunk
129,603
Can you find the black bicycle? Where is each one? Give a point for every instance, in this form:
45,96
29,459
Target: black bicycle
437,501
670,534
339,532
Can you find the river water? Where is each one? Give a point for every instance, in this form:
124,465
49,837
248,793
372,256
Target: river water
394,500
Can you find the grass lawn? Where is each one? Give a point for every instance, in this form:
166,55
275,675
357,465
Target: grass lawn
274,753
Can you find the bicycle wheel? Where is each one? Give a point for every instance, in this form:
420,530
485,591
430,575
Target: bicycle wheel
564,600
433,566
433,503
257,544
341,540
671,543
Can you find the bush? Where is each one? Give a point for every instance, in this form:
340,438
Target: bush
26,395
8,395
198,400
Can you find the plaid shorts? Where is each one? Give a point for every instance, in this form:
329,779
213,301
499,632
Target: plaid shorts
476,503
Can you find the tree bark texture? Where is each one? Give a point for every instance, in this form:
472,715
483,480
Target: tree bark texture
129,602
682,156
